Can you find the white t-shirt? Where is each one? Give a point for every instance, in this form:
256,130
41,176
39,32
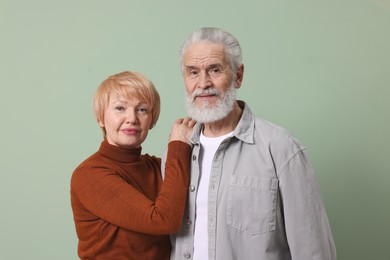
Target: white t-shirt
209,146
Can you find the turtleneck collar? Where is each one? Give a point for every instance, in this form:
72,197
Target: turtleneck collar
120,154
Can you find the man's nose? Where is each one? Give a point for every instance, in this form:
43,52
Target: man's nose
204,80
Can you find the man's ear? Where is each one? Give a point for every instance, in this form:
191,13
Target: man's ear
239,76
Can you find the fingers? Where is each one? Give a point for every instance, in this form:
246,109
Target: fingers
187,121
182,129
191,122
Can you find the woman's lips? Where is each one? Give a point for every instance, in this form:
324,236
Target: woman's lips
130,131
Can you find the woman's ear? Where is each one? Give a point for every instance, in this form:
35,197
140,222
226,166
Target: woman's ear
101,124
152,125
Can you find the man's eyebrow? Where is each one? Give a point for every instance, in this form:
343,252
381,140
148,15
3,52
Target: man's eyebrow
214,65
210,66
191,67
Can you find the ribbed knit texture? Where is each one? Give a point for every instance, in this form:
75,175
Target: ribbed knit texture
122,209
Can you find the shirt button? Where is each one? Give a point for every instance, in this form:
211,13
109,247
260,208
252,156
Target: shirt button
189,222
191,188
187,255
194,157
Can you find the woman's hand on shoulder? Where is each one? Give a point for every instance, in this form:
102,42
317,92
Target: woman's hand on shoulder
182,129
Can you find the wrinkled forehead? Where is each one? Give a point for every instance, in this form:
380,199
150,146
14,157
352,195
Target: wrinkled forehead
203,54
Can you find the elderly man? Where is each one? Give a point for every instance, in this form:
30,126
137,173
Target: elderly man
252,193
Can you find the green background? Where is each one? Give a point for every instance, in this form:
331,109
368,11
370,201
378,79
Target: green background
318,68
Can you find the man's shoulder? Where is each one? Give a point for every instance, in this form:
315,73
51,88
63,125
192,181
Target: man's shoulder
275,134
269,127
253,128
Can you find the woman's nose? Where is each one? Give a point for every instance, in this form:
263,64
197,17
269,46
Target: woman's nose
131,117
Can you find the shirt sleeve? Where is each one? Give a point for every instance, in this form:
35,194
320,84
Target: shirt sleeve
307,228
112,199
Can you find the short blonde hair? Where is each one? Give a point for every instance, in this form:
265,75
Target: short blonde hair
130,85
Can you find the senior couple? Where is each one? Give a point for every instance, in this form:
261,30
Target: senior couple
231,186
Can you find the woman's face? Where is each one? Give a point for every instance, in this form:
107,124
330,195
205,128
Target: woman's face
126,121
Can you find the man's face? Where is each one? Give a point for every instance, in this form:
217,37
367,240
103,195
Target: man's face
209,82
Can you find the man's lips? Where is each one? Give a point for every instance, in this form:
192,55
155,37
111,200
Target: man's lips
201,96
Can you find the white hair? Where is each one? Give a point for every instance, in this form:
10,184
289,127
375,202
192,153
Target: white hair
206,114
215,35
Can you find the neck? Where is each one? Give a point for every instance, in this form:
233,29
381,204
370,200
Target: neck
225,125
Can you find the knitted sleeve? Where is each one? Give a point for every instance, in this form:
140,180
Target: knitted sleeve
112,199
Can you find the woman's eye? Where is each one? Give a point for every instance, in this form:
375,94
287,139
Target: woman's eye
120,108
142,110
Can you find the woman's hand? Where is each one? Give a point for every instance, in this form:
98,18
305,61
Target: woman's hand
182,129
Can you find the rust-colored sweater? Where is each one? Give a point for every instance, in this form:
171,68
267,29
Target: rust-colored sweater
122,209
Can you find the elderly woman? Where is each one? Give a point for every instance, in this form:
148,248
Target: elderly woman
122,208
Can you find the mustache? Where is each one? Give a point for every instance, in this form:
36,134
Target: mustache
208,91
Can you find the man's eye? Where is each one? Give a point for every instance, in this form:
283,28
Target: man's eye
215,71
192,72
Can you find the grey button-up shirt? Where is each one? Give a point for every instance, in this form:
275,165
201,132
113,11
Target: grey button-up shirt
264,202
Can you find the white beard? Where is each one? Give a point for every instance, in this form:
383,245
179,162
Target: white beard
206,114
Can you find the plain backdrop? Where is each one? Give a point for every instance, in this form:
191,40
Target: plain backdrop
317,68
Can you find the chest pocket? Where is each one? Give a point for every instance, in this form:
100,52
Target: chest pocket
251,204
